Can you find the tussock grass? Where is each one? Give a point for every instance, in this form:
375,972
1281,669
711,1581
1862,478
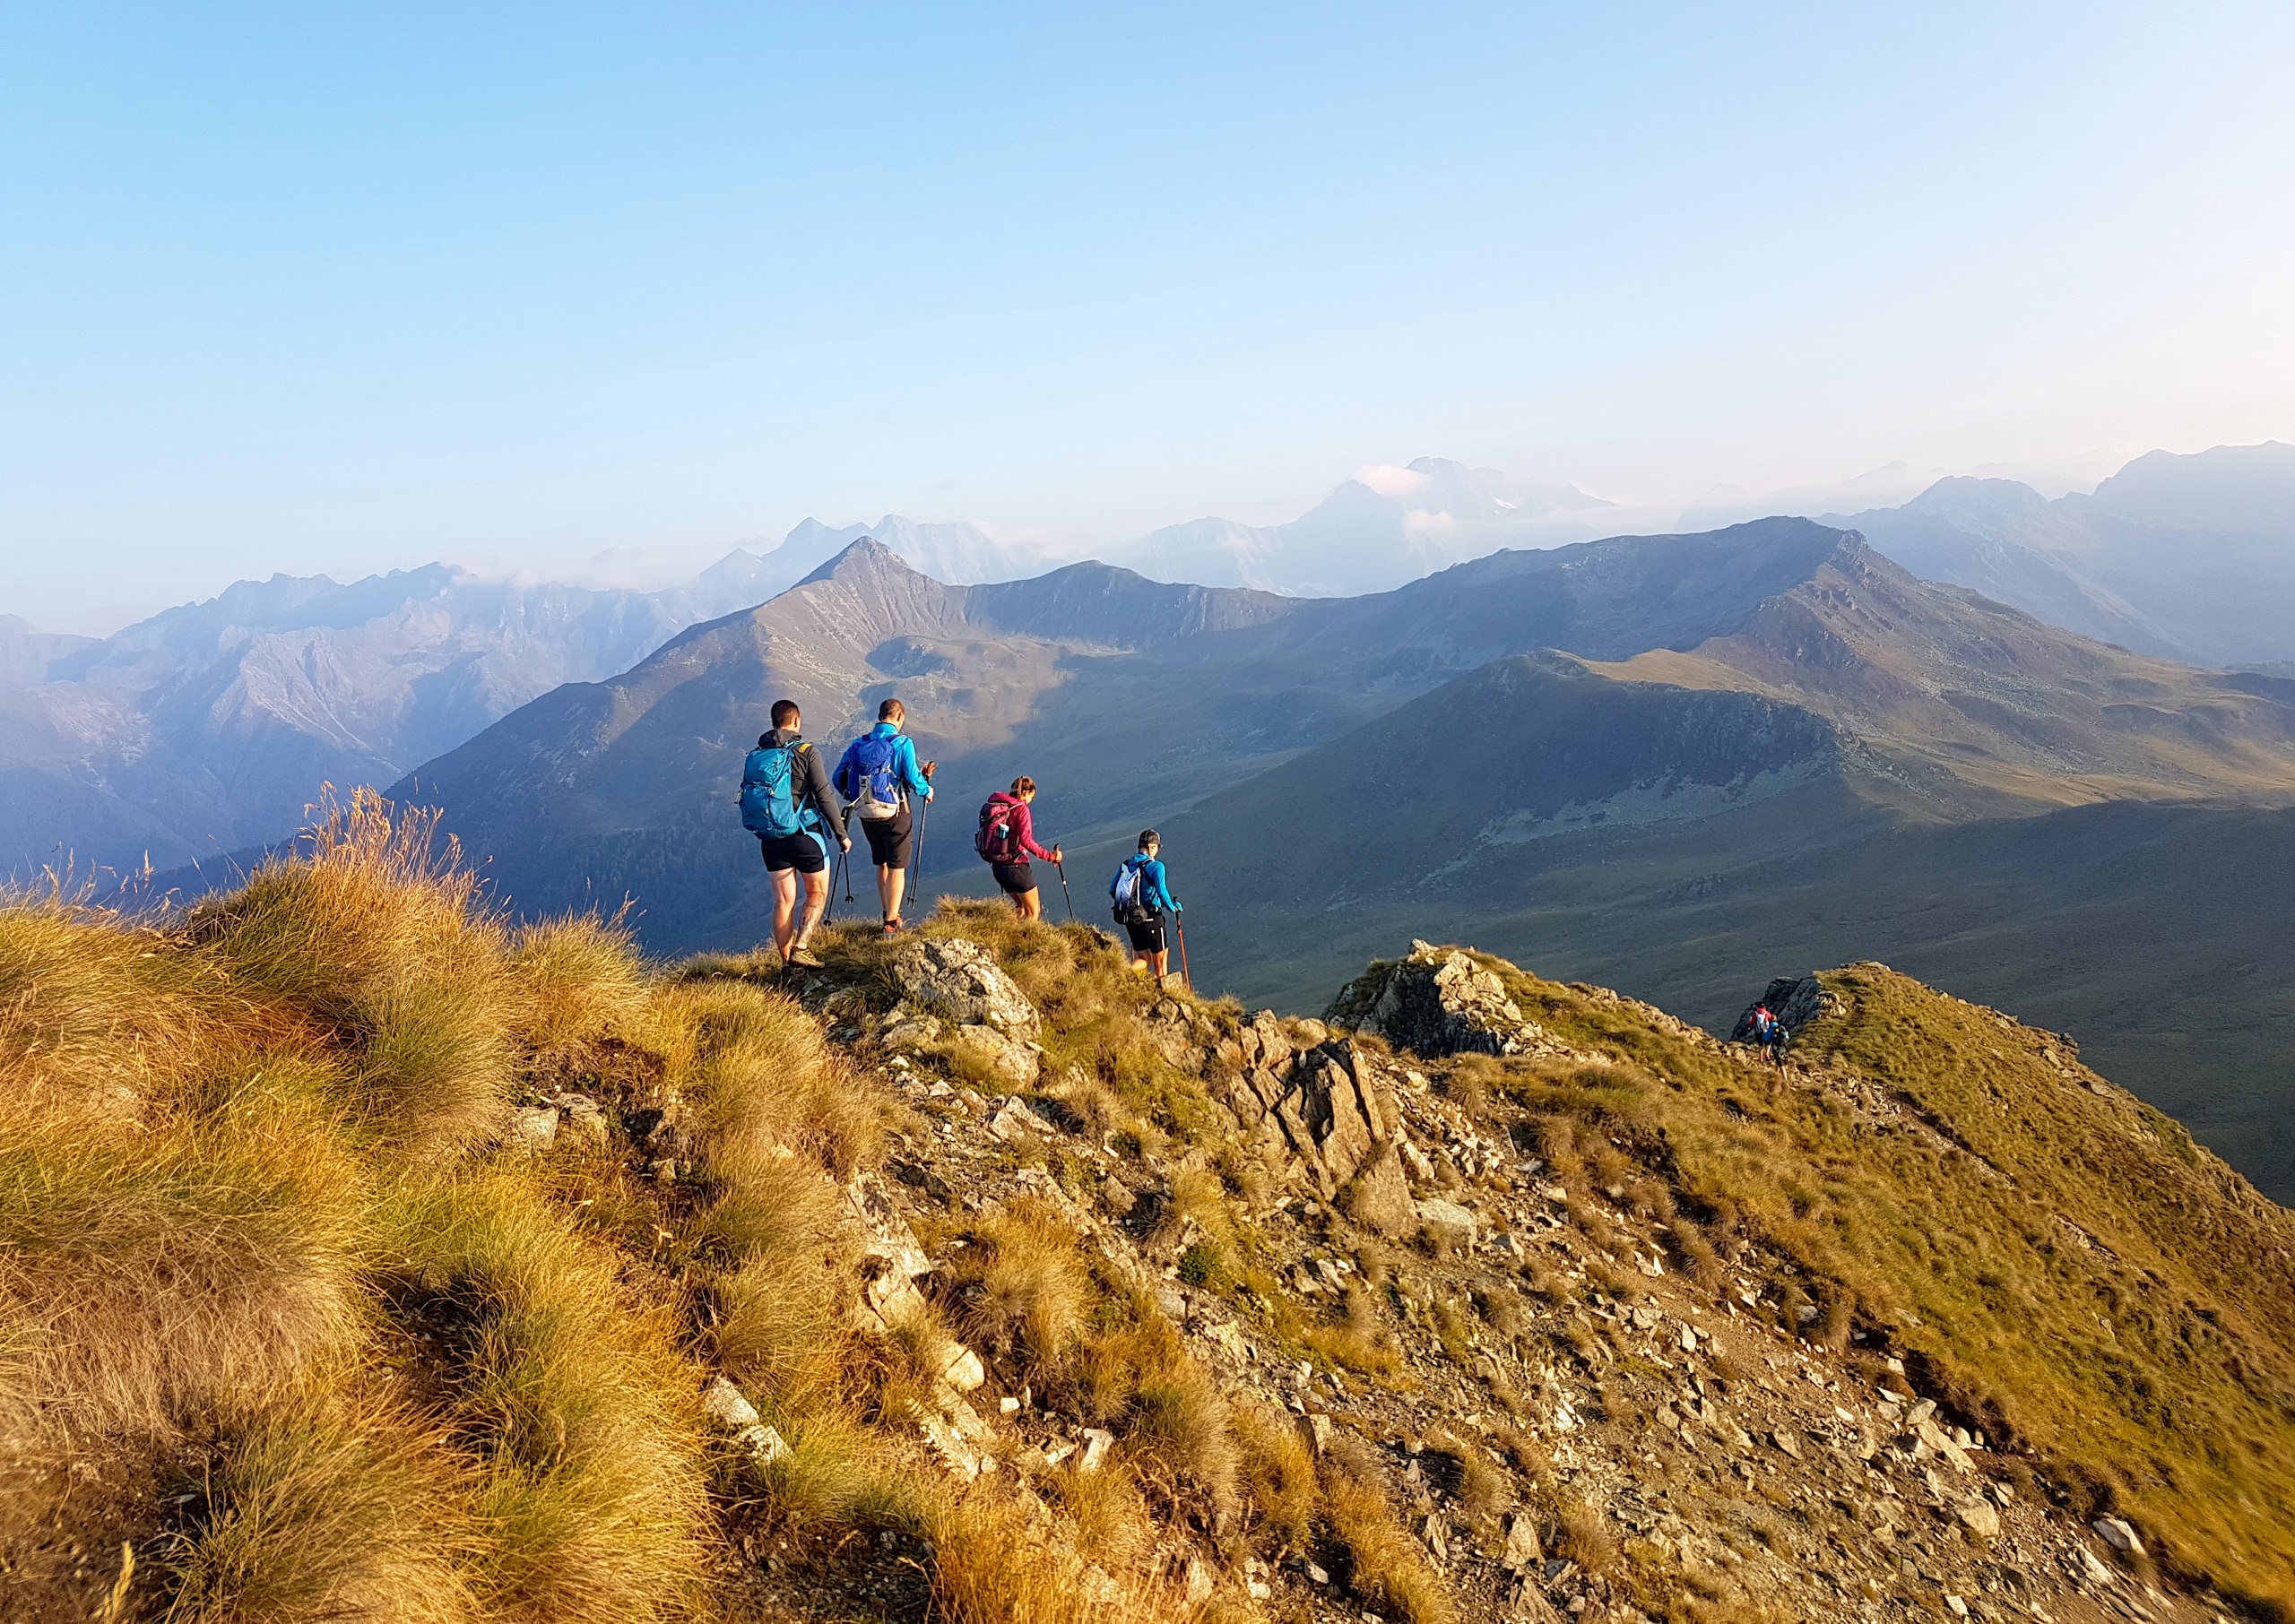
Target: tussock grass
573,1397
1382,1561
318,1514
1019,1290
766,1084
580,978
261,1237
370,937
145,1277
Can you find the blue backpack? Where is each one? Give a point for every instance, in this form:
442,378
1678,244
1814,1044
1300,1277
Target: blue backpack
868,777
769,793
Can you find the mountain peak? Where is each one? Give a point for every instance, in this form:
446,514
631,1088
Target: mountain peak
866,560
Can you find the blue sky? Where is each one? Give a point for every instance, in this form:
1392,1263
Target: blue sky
589,289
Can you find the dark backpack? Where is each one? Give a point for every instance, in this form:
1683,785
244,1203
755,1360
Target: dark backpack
769,793
1129,891
998,840
867,779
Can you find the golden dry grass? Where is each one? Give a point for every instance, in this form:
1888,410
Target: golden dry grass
344,1351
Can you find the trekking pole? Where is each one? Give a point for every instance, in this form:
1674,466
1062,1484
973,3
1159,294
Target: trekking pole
1186,979
1064,890
916,850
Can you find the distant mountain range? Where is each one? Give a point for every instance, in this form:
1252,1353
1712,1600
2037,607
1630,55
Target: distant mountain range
1671,762
212,727
1771,733
2188,556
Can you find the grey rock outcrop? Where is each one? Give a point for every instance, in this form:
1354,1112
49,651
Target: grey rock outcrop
989,1016
1328,1114
962,980
1797,1001
1437,1001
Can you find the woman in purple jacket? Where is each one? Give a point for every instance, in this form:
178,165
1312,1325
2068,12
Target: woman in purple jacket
1007,839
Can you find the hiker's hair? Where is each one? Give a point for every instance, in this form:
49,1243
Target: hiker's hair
1148,837
784,711
1024,785
892,710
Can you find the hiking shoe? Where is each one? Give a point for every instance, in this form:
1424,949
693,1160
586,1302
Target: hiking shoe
806,958
892,927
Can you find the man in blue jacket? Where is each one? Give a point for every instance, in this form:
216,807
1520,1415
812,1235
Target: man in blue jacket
877,775
1142,897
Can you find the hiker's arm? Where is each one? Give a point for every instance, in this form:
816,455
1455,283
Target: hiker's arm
1164,901
1024,825
825,795
911,774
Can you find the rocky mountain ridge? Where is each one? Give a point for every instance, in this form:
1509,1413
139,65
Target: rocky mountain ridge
1577,1411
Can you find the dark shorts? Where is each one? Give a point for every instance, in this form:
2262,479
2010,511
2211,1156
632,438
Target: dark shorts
1146,935
801,852
1017,878
888,838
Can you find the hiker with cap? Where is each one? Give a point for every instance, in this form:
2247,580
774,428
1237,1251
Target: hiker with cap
789,804
1006,839
876,777
1142,897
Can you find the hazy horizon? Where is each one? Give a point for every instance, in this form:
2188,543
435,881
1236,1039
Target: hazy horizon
599,296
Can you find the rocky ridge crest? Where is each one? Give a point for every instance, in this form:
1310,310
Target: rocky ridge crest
1572,1421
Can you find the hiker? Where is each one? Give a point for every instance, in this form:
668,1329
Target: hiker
789,804
877,775
1768,1033
1006,839
1142,897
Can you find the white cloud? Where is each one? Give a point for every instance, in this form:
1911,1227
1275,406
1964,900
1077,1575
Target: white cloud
1388,480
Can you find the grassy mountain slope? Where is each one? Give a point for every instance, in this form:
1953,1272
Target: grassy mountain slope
1989,695
2058,1257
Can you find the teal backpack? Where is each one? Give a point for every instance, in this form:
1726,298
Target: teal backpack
769,793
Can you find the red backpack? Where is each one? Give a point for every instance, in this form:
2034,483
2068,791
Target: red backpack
998,840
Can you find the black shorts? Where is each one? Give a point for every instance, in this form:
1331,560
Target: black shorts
888,838
1146,935
1017,878
802,852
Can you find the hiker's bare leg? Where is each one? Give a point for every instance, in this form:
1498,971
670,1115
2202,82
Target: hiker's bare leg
891,885
1030,904
816,905
1163,962
785,909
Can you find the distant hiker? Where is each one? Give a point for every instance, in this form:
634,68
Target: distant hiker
789,804
877,775
1007,839
1142,897
1767,1033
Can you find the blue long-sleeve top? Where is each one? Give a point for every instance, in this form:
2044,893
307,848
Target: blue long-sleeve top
1154,890
906,773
